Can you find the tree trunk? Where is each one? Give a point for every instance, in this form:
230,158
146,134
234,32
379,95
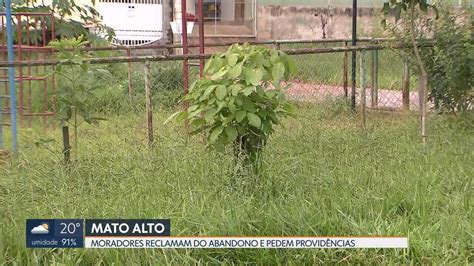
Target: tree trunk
66,145
248,156
423,82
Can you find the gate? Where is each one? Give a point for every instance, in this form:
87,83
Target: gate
35,85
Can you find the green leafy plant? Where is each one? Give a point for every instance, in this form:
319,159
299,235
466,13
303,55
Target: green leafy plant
410,7
72,19
239,100
76,84
447,53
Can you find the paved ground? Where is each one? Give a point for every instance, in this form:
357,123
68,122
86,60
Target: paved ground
390,99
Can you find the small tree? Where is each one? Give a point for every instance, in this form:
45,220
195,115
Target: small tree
446,55
66,23
239,100
76,84
410,6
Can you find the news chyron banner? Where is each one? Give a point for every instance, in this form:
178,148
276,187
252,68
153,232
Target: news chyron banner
156,233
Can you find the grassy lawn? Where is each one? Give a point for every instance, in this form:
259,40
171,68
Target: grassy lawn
324,176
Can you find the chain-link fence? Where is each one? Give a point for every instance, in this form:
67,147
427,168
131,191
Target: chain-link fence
144,79
324,73
320,77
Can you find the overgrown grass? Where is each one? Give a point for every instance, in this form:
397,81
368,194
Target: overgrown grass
324,176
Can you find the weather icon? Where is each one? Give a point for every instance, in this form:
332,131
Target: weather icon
41,229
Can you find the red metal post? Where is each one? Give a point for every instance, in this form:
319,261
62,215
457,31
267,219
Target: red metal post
28,54
4,58
20,75
53,78
44,27
201,36
184,34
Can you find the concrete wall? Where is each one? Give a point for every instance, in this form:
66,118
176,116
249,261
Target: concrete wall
292,22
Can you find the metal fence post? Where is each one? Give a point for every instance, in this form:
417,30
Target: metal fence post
354,55
201,36
149,109
11,74
363,85
374,91
345,70
406,86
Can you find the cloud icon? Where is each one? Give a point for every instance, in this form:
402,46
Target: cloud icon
41,229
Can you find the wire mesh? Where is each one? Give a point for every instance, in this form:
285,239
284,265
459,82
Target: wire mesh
320,76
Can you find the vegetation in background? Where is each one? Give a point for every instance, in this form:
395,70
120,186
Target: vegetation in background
448,56
166,84
410,7
239,100
390,67
76,84
65,24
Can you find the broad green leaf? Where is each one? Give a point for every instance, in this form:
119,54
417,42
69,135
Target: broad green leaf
273,56
232,59
247,91
232,107
221,91
259,59
221,105
270,93
219,145
208,91
254,120
274,119
254,76
235,71
231,132
215,133
228,119
235,88
210,114
290,65
249,106
240,115
260,91
267,127
278,71
218,75
242,130
213,64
